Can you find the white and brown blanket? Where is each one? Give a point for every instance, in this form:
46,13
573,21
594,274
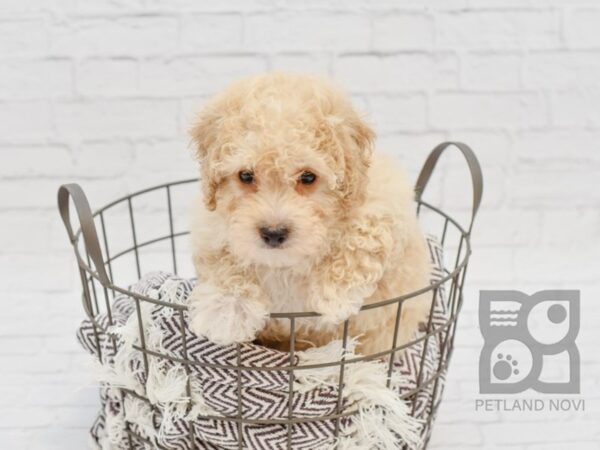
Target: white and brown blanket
181,406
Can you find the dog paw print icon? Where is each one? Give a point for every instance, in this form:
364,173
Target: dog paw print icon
526,337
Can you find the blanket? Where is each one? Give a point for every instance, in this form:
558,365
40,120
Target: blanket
163,402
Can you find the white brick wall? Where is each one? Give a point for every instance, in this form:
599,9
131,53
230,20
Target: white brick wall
101,92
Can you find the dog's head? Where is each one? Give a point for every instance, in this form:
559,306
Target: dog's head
283,158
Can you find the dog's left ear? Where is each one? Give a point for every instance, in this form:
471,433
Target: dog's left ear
204,139
357,140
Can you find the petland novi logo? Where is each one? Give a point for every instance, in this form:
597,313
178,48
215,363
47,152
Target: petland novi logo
526,337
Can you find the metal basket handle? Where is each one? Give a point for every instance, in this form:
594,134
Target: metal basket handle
474,169
88,228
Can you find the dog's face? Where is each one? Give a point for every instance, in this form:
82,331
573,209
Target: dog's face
283,159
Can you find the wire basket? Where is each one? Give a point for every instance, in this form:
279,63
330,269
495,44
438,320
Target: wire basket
122,251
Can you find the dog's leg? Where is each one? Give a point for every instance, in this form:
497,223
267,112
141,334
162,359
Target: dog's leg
228,306
223,318
351,272
338,304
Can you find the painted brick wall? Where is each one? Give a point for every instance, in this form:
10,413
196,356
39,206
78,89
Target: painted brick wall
101,93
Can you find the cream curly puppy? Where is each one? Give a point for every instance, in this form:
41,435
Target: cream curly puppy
299,216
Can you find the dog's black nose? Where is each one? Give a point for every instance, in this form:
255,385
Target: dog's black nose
273,237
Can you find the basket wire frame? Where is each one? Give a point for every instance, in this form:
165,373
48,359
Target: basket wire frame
98,291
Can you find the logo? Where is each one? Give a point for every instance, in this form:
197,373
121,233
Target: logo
522,335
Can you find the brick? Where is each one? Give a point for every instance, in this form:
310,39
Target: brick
212,32
35,160
450,393
103,159
17,6
116,7
465,357
381,6
23,38
403,31
107,77
575,264
163,161
411,148
507,227
456,434
569,433
576,108
468,337
306,31
581,28
31,224
26,121
462,410
492,264
62,438
396,73
118,37
9,396
498,29
196,75
116,118
35,79
223,6
316,63
470,111
74,417
495,71
17,438
50,271
469,319
21,417
28,303
533,417
395,113
41,363
19,345
21,8
548,147
556,225
61,395
63,344
469,316
53,325
550,446
554,188
562,70
513,4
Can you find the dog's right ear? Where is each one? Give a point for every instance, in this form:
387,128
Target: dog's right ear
357,143
204,137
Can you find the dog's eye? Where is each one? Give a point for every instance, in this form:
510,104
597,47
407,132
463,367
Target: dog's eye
307,178
246,176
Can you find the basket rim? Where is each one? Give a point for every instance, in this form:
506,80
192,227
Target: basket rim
464,237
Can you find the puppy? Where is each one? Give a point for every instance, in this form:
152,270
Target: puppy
297,215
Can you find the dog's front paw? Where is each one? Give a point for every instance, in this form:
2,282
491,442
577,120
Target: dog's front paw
336,306
334,314
225,319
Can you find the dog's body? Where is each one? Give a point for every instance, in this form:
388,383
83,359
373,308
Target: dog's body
299,217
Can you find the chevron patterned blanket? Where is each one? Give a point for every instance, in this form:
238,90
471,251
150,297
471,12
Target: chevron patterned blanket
156,402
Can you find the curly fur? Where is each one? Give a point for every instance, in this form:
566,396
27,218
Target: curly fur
354,235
